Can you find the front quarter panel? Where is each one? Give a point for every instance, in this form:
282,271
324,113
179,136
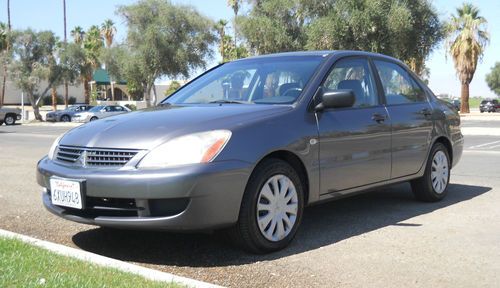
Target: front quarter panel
293,131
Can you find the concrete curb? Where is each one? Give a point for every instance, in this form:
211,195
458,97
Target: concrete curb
107,262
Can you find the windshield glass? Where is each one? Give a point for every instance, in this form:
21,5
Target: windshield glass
96,109
73,108
260,81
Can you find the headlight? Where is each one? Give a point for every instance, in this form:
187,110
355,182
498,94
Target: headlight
189,149
53,148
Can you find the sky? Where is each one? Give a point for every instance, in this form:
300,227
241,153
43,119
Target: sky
48,15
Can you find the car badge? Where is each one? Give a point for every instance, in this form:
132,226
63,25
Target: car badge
82,160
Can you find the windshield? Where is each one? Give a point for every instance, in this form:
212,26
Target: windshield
260,81
96,109
73,108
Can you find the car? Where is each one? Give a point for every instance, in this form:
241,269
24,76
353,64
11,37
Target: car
99,112
9,116
66,114
457,104
489,106
247,145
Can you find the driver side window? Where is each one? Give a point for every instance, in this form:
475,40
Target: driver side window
353,74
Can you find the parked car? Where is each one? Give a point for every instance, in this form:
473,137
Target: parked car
457,104
9,116
67,114
99,112
247,145
489,106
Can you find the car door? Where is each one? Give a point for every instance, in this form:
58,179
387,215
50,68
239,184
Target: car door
411,115
355,143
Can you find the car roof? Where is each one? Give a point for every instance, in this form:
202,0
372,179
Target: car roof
323,53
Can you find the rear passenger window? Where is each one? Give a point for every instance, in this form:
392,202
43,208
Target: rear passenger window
399,86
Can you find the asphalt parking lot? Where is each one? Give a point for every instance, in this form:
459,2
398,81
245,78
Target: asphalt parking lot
383,238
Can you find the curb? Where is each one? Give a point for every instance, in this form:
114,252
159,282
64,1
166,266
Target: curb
107,262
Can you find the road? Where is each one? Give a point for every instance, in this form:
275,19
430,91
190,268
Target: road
383,238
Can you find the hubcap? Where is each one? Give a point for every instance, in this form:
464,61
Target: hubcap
9,120
277,207
439,172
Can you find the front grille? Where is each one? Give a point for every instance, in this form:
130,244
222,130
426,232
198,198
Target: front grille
94,157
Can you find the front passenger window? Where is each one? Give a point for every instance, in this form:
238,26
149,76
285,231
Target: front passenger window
353,74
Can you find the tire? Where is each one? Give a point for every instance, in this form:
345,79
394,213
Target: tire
9,119
93,119
247,232
424,188
65,118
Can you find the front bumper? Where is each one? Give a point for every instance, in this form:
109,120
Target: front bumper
209,195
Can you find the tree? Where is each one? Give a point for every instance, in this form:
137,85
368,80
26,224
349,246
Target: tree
467,39
220,27
5,52
235,5
493,79
108,31
165,39
174,86
274,26
78,34
407,30
92,45
32,56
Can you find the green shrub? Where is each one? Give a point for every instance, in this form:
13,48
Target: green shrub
131,107
72,100
47,100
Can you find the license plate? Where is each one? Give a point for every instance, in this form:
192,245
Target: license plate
67,193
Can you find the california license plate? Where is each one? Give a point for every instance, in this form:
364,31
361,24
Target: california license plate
67,193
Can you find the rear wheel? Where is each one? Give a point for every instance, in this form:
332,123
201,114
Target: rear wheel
65,118
433,185
10,119
271,209
93,118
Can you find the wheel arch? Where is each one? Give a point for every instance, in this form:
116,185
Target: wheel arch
297,164
447,143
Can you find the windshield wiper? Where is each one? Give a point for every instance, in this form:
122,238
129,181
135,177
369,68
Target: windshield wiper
225,101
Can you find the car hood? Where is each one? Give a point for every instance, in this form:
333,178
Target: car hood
149,128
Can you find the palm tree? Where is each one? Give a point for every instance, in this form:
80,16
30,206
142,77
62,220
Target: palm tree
108,31
78,34
220,26
235,5
467,39
92,44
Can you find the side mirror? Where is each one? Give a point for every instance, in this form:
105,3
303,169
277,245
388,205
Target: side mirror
341,98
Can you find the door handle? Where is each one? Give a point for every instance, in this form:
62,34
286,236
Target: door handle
426,112
379,117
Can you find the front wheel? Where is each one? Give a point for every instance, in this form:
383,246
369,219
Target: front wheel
93,118
10,120
65,118
433,185
271,209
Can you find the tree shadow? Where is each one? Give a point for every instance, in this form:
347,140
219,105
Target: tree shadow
322,225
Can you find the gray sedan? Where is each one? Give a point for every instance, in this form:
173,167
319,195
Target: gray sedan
66,114
99,112
247,145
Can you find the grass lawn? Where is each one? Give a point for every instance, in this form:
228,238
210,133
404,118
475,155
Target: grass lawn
24,265
474,102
